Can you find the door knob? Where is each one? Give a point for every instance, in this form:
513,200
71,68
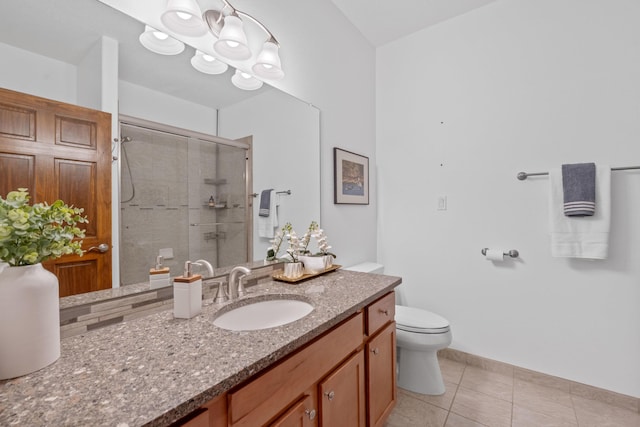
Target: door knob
310,413
330,395
375,351
102,248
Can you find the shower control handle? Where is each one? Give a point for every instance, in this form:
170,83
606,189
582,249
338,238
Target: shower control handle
102,248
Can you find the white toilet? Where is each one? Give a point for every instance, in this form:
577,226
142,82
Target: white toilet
419,336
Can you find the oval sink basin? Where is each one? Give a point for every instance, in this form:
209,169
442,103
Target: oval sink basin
263,315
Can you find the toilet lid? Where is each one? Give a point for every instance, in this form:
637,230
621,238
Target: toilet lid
412,319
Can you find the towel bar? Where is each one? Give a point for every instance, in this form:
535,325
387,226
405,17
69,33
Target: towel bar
523,175
287,192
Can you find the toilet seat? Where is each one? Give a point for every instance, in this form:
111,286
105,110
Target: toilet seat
420,321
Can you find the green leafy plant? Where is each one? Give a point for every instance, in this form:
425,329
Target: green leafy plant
30,234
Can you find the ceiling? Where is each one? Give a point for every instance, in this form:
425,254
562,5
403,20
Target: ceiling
384,21
68,29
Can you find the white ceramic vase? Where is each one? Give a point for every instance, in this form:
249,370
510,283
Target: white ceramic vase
293,270
29,320
313,264
328,261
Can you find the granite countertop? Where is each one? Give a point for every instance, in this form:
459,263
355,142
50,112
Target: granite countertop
156,369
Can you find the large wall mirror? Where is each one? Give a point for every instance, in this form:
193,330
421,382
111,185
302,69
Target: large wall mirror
168,90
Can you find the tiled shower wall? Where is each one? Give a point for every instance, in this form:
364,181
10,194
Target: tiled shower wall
165,195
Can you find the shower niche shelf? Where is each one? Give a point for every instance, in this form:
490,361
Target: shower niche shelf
215,181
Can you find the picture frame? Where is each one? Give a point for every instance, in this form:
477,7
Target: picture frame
351,178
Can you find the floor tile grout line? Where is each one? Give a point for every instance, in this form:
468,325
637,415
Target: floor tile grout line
513,396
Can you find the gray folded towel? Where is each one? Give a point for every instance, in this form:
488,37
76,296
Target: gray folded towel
579,188
265,202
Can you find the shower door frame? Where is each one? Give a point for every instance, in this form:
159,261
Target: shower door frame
243,143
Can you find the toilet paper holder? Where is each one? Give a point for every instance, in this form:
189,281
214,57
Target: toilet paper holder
512,253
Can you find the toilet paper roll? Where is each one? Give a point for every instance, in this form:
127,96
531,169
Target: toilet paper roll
494,255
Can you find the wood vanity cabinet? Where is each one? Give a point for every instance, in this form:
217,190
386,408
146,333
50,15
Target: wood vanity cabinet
344,378
381,359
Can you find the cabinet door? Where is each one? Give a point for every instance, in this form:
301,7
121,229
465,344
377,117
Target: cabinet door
301,414
342,395
381,374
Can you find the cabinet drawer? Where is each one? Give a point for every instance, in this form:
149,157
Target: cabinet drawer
262,399
380,313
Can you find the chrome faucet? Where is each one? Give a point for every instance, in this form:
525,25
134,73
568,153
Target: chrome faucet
236,288
206,264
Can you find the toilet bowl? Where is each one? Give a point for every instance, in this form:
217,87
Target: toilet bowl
419,336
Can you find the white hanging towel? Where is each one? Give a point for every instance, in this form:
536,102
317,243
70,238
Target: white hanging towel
268,224
580,237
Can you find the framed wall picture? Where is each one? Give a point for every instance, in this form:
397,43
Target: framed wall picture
351,178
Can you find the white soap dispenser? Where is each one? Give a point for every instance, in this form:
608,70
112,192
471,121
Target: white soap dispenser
187,294
159,276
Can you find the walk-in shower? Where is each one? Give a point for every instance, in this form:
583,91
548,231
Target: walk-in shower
183,194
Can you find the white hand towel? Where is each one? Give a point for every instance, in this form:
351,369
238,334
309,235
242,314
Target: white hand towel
268,224
580,237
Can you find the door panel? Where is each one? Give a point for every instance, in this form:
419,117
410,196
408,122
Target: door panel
77,187
62,151
77,277
17,172
342,394
75,133
17,122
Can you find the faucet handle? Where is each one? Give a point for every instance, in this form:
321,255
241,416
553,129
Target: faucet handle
221,295
241,290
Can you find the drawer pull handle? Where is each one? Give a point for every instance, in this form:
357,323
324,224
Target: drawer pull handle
375,351
385,312
310,413
330,395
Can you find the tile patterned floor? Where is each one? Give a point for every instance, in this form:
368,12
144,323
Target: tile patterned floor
478,398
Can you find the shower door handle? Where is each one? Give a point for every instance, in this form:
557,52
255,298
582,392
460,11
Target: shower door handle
102,248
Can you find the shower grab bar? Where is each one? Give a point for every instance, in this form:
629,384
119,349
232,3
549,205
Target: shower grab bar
523,175
287,192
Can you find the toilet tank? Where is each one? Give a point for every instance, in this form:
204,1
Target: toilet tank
367,267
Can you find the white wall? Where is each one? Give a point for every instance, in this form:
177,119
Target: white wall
286,155
143,103
329,64
517,85
37,75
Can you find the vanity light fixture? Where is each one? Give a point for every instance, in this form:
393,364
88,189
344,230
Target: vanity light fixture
226,23
246,81
184,17
159,42
207,64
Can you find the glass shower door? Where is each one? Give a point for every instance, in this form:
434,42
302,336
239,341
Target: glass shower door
182,196
217,203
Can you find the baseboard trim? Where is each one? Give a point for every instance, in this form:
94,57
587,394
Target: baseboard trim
572,387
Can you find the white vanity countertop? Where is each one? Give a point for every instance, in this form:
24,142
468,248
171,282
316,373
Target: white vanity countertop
154,370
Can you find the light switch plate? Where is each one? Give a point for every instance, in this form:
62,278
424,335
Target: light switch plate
442,203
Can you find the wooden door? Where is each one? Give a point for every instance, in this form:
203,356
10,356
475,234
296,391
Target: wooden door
62,151
342,395
381,375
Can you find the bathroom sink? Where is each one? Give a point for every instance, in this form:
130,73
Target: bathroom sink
263,314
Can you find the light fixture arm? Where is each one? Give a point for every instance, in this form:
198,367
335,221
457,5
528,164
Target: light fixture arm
261,25
215,18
